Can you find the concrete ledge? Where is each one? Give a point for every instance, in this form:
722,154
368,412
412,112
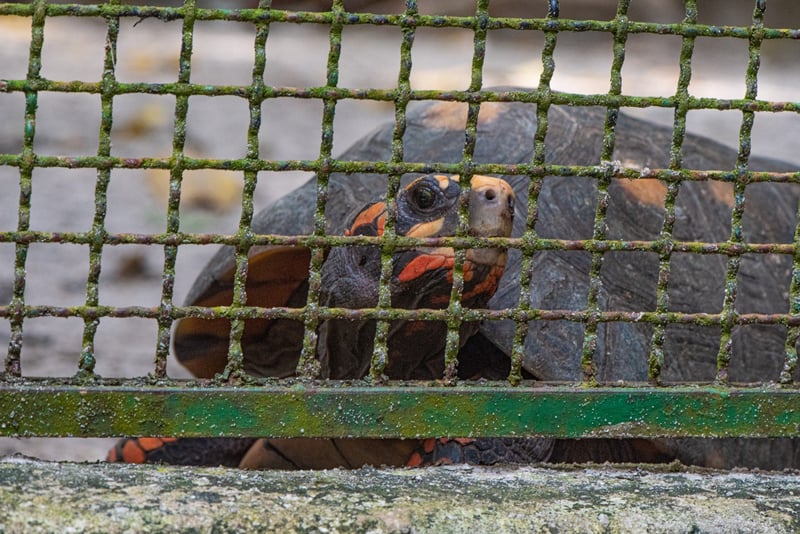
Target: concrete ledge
39,496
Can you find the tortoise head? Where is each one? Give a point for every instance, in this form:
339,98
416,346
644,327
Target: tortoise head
428,207
422,277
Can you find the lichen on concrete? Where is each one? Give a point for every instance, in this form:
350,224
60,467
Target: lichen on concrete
38,496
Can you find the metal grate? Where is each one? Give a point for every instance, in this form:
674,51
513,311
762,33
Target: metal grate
237,404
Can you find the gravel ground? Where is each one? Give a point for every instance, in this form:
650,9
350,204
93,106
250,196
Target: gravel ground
67,124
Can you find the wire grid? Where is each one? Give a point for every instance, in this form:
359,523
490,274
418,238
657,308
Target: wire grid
17,311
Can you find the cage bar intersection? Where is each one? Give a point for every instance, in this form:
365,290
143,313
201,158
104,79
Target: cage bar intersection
235,404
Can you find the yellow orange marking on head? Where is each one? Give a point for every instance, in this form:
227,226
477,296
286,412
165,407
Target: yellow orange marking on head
375,214
442,257
426,229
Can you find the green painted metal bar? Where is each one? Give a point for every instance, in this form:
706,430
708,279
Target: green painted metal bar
310,410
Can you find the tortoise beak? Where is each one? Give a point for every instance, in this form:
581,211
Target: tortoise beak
491,207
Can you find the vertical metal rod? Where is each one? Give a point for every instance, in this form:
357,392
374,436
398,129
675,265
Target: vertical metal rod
380,354
175,180
656,357
729,313
308,365
590,336
98,232
13,365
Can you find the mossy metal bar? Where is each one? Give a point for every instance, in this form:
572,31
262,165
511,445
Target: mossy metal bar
310,410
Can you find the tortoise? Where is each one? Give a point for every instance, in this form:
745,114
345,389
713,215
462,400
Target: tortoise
566,209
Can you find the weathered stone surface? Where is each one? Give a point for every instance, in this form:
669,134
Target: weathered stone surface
38,496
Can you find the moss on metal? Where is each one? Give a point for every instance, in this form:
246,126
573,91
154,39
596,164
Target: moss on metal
359,409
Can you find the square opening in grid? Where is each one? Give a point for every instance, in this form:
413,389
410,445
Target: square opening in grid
629,281
297,55
143,126
290,129
560,280
690,353
191,260
9,198
7,255
718,130
553,350
344,203
51,346
74,48
370,57
759,353
762,283
567,208
637,207
651,64
442,58
623,352
770,212
222,52
131,275
15,43
778,73
148,50
661,136
63,199
211,201
56,274
583,62
273,185
124,347
719,65
137,201
67,124
12,109
216,127
356,118
775,135
513,57
696,282
566,145
703,211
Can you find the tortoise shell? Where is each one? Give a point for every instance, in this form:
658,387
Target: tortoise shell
566,209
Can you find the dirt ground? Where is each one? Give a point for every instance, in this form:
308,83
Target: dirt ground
67,124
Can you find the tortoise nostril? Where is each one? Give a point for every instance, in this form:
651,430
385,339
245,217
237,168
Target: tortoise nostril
490,194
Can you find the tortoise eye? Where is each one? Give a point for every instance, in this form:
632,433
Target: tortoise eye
424,196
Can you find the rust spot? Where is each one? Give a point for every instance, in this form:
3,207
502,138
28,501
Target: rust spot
647,191
453,115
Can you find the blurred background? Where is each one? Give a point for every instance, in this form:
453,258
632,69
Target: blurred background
148,51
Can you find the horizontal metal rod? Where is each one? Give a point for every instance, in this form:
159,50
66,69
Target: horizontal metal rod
411,411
